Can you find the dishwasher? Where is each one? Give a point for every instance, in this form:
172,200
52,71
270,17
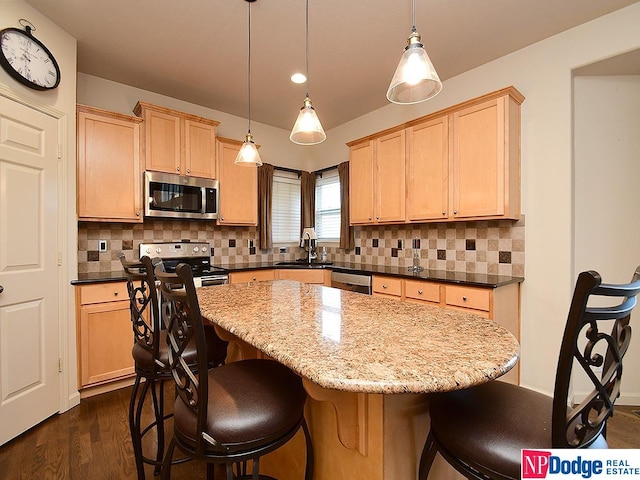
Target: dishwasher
354,282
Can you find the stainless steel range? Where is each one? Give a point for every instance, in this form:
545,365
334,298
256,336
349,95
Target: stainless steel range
195,254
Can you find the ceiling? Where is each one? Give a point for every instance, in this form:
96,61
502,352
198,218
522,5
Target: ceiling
196,50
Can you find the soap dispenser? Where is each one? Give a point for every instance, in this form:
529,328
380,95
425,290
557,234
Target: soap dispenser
323,255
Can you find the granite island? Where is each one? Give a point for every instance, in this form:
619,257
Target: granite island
368,364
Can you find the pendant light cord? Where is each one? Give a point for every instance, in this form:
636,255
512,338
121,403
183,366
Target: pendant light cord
307,44
413,15
249,68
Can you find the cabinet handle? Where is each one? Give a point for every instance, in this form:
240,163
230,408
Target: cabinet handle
369,218
377,218
1,289
188,170
455,212
384,286
178,168
254,279
443,212
115,294
464,299
137,214
419,292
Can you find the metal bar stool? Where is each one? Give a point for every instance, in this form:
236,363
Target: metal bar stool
233,414
480,431
150,354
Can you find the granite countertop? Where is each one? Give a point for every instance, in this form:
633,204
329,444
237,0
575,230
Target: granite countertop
359,343
472,279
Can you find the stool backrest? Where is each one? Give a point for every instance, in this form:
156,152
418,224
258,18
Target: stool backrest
183,322
595,341
143,302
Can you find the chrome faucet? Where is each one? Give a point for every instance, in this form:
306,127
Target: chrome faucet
306,235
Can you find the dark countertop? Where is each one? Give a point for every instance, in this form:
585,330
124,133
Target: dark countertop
462,278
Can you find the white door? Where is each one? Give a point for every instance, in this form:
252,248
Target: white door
29,378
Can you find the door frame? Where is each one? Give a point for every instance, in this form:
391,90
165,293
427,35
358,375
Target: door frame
67,262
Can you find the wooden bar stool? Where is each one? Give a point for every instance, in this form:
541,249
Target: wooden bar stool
480,431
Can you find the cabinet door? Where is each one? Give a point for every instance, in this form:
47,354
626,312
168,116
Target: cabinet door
390,177
162,142
238,187
109,174
199,149
479,160
361,185
106,339
428,170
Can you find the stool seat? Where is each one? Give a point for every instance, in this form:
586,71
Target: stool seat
252,403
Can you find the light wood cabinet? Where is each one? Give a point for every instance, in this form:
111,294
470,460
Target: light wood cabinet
305,275
378,194
461,163
177,142
238,186
501,304
248,276
486,159
386,286
109,177
105,335
428,170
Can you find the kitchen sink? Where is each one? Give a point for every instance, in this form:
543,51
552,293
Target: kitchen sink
303,264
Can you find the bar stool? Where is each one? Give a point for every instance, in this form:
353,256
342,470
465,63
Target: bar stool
150,354
481,431
235,413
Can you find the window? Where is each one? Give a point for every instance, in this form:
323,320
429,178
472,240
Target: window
286,208
328,207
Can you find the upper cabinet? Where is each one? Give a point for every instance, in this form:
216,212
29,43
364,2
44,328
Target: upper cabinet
108,161
238,186
461,163
376,184
177,142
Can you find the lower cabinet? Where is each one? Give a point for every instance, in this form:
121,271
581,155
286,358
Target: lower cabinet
248,276
308,275
104,334
501,304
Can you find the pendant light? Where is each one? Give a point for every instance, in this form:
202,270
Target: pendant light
415,79
307,130
248,154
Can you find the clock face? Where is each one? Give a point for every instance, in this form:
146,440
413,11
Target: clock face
27,60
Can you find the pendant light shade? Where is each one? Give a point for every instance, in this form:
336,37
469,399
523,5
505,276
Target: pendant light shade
307,130
415,80
248,154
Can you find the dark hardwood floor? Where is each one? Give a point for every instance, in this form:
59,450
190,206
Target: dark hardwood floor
92,441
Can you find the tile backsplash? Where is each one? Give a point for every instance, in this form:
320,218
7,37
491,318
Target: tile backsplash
491,246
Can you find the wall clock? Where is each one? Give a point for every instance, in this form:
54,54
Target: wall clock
27,59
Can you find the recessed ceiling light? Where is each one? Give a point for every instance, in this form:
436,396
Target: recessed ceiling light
298,78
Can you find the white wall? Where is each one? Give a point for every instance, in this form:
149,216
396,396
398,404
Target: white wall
542,72
62,99
275,149
607,197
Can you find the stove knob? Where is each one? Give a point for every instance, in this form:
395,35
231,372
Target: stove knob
204,249
148,250
195,249
158,250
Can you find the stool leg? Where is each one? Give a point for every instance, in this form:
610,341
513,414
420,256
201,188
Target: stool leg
165,473
428,455
158,410
135,411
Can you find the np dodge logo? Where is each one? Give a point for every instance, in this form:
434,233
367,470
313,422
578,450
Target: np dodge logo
580,464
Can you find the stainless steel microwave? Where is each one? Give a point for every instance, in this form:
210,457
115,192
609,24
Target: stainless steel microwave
177,196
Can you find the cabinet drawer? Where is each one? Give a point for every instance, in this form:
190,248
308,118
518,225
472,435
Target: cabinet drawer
427,291
387,286
103,292
250,276
468,297
302,275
